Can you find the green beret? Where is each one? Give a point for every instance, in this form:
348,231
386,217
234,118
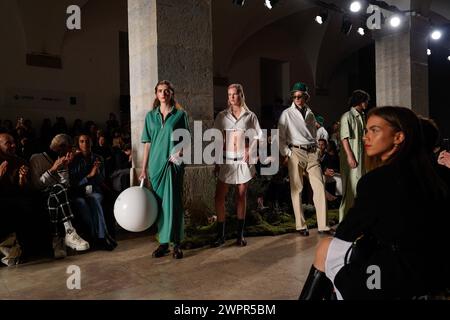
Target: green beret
299,86
320,120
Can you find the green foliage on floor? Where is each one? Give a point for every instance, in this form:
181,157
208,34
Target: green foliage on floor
265,222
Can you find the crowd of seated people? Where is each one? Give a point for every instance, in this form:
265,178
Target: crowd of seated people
57,188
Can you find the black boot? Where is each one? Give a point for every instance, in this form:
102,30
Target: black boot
161,251
317,286
240,233
220,240
177,253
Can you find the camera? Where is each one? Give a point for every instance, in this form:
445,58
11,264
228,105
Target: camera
446,144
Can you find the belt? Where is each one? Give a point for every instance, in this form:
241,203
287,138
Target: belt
233,159
307,147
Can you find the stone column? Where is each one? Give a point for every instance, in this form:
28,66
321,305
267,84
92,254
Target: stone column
172,40
402,65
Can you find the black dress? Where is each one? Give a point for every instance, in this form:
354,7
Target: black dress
410,230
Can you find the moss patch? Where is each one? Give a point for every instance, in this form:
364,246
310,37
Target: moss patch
266,222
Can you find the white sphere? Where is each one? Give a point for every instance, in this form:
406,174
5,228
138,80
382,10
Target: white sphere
136,209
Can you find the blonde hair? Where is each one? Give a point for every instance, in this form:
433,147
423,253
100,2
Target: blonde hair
60,140
240,90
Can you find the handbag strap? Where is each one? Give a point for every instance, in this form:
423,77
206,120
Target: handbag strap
347,254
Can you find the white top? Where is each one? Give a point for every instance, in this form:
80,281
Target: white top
237,172
293,129
235,130
247,120
322,134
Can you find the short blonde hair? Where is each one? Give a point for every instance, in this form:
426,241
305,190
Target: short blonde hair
60,140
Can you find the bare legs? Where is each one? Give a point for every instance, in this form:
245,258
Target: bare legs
241,203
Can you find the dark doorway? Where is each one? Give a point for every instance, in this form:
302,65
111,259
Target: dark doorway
274,86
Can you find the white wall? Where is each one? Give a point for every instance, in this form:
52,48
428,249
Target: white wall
90,60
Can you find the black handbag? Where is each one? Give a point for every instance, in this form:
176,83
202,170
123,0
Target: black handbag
361,250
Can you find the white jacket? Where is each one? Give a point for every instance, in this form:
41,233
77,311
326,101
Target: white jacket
293,129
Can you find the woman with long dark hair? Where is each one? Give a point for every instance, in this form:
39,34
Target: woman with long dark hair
383,249
163,167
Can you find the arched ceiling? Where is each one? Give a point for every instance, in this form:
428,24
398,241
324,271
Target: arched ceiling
326,45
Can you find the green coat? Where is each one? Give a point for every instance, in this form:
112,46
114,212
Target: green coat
166,177
352,128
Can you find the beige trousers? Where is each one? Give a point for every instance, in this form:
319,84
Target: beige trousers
299,161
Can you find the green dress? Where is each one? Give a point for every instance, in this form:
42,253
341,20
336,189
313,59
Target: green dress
352,128
166,177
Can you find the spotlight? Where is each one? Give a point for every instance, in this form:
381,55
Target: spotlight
395,21
355,6
361,31
269,4
347,25
429,52
436,35
239,2
322,17
448,58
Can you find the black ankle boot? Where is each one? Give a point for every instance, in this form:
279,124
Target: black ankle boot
177,253
317,286
161,251
240,241
220,240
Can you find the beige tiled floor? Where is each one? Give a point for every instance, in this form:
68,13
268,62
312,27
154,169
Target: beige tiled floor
268,268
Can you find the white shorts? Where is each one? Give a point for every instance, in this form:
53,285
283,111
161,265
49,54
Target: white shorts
336,259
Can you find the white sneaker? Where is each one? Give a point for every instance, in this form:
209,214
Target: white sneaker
74,241
59,248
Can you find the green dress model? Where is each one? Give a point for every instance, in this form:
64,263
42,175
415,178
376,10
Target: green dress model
166,177
352,128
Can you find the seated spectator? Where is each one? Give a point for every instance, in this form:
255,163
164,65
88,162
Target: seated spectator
335,134
321,131
77,128
103,150
329,162
46,134
117,140
87,176
50,175
122,163
439,157
15,206
111,125
385,227
60,126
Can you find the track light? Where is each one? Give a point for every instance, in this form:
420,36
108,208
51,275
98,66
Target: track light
395,21
239,2
347,25
436,35
322,17
429,52
269,4
355,6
